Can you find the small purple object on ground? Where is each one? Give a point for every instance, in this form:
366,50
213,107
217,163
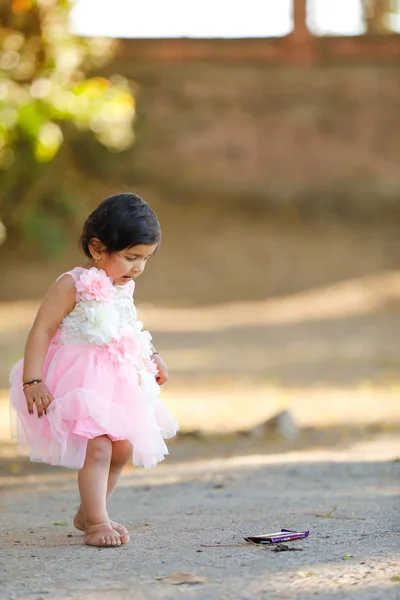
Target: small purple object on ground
285,535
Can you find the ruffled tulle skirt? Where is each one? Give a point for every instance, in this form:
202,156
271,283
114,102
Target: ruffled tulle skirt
92,397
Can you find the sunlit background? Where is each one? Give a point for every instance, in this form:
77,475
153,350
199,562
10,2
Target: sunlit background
221,18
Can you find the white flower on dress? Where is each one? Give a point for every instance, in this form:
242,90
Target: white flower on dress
145,341
102,323
94,284
144,338
149,385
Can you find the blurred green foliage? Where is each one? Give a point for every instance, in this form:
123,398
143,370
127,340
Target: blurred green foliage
48,104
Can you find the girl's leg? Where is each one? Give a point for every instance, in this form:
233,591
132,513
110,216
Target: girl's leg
93,480
120,456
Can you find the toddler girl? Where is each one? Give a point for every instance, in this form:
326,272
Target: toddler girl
86,393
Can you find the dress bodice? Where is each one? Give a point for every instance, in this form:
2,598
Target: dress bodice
105,315
101,312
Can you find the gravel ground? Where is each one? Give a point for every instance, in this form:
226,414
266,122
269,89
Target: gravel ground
190,516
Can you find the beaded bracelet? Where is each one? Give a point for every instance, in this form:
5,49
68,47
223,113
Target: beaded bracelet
30,383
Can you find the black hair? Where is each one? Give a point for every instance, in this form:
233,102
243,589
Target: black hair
119,222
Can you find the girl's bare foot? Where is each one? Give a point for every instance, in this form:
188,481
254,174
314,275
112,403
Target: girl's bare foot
103,535
80,523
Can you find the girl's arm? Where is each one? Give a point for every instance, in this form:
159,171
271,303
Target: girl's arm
162,376
58,302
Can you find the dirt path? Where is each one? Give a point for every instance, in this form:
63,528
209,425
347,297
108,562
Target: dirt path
331,357
175,509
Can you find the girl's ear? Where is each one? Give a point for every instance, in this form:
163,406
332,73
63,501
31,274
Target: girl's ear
96,248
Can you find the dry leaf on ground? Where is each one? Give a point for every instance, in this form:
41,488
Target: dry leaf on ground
178,578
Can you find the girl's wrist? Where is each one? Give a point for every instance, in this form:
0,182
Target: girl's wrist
31,383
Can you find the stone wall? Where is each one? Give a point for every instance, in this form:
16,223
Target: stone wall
305,121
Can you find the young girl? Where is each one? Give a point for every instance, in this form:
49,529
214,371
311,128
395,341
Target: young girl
86,393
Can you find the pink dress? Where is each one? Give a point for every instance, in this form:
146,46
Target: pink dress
100,373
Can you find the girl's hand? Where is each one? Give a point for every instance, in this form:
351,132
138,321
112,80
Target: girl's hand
38,394
162,376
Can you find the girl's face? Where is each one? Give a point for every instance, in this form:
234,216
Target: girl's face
125,265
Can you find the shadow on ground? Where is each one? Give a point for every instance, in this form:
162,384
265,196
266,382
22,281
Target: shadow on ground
197,445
